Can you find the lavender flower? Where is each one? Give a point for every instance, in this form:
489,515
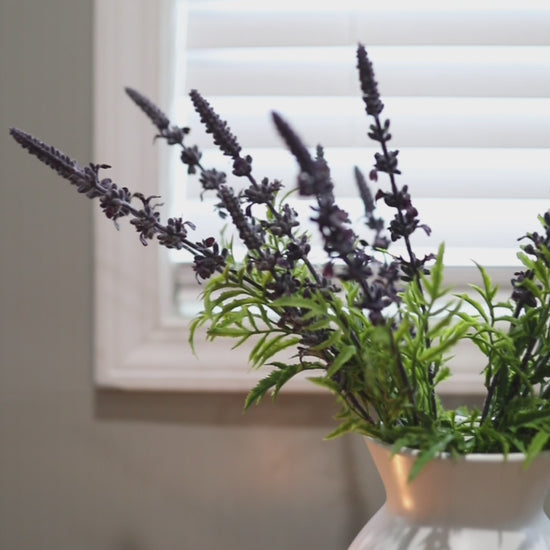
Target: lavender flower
369,85
297,148
387,162
298,251
176,233
191,156
372,222
286,284
538,248
263,193
157,117
116,202
283,224
209,259
339,239
250,234
214,125
405,221
522,294
172,134
212,179
52,157
147,220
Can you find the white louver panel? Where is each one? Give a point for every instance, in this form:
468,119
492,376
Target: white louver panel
466,86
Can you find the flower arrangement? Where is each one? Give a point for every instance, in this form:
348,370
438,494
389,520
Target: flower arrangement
373,327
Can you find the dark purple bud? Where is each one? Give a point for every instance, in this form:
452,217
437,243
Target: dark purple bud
242,166
114,200
369,86
214,125
364,192
65,167
175,233
250,234
157,117
294,144
146,220
263,193
212,179
209,260
191,156
387,163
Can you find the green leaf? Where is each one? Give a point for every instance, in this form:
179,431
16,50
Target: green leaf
427,455
319,324
257,393
535,447
344,355
445,321
275,380
241,341
286,372
325,383
435,280
443,374
475,304
333,339
271,346
525,260
436,351
489,288
527,417
256,350
227,332
299,302
351,425
532,287
225,296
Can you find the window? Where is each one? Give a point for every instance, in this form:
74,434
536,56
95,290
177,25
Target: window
467,88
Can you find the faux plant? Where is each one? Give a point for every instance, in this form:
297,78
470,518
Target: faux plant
373,327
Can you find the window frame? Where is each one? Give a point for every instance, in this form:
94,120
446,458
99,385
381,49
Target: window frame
139,344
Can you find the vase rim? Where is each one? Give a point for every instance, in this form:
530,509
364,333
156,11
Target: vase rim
473,457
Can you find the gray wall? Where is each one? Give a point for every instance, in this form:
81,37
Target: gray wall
88,470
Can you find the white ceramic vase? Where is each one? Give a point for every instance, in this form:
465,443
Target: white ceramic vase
477,502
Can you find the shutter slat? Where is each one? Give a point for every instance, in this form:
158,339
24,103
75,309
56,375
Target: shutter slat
446,217
418,122
441,173
414,70
466,85
245,24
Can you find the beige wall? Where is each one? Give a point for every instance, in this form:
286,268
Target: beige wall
88,470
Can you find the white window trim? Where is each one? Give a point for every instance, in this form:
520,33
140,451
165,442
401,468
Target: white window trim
138,343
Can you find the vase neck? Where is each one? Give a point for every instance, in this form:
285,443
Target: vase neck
465,489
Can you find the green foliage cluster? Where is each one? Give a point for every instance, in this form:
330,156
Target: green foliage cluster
385,377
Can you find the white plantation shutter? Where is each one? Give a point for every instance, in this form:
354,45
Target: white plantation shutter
466,86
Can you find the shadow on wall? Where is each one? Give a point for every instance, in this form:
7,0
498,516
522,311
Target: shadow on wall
205,408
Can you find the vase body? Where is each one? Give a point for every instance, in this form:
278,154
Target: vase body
476,502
